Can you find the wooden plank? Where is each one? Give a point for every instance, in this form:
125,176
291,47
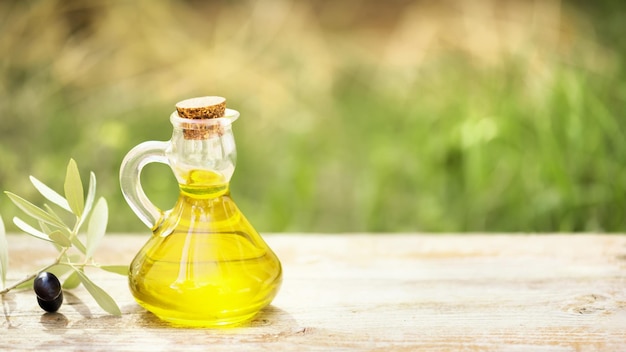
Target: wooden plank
365,292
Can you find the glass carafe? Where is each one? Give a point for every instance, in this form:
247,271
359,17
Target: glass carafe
204,264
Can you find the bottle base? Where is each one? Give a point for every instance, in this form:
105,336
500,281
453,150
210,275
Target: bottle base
190,320
217,323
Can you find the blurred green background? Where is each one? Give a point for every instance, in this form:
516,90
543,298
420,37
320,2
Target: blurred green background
356,115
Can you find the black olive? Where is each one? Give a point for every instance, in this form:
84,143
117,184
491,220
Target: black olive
51,306
47,286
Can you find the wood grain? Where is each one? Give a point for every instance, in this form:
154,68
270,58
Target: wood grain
353,292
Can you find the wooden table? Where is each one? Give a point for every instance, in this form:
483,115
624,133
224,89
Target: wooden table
364,292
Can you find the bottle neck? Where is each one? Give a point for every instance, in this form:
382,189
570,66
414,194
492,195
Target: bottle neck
203,163
203,155
204,184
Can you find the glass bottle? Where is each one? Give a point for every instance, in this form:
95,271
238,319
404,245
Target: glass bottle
204,264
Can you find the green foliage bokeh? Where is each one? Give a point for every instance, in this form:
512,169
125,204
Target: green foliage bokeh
415,116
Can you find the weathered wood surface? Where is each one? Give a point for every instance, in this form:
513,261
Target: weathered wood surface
365,292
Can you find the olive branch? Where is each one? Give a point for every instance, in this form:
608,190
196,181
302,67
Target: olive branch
75,248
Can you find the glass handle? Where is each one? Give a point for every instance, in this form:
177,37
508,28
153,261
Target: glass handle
130,180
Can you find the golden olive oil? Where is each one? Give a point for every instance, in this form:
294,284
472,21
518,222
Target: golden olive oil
205,265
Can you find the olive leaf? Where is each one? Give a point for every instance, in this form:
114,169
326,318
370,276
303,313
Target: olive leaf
73,188
79,245
51,211
4,254
72,281
34,211
91,196
59,269
91,192
68,233
25,284
22,225
117,269
50,194
102,298
74,239
97,226
60,238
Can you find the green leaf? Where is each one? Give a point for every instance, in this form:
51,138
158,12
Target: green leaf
30,230
117,269
73,187
59,269
97,225
59,238
34,211
68,234
79,245
72,281
91,195
50,194
52,213
45,227
74,258
102,298
47,230
27,284
4,254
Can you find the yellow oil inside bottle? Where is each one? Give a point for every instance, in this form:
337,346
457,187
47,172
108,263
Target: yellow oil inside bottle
205,265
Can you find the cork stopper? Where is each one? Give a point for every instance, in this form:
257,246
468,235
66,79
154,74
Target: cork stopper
201,108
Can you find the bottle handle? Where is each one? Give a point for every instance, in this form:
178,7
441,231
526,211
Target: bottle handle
130,180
